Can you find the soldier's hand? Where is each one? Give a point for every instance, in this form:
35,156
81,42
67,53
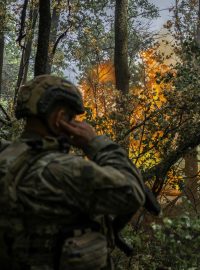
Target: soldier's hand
80,133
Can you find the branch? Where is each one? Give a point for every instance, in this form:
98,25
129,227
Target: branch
66,31
151,115
149,12
160,170
177,22
7,123
141,140
5,113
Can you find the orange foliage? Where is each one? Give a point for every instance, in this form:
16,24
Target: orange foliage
153,67
151,98
99,87
100,96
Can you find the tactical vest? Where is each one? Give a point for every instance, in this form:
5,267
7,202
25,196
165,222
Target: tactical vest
81,248
11,159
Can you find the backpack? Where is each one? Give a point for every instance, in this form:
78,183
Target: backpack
82,252
15,159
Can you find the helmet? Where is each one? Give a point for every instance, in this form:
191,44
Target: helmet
37,96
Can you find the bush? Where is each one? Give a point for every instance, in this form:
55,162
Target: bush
173,245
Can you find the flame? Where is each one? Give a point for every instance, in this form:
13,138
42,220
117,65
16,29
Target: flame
97,88
100,96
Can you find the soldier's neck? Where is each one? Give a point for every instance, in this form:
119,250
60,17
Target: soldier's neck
35,126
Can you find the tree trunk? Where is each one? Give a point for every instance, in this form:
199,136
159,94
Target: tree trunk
2,29
29,42
41,59
191,173
191,159
121,70
19,77
24,63
198,27
1,59
121,46
53,34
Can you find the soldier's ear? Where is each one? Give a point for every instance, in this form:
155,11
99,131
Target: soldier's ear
60,115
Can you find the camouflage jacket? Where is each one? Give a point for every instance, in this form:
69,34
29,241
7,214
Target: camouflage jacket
54,189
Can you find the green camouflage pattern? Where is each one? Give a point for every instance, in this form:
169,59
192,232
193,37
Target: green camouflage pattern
44,190
32,100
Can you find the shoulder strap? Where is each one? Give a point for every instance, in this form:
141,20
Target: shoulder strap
12,156
19,157
24,167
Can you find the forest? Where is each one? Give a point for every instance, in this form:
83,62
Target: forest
140,88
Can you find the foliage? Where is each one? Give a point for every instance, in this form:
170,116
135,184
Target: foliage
90,40
146,105
173,244
10,127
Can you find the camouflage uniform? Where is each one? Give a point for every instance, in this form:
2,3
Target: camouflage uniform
55,203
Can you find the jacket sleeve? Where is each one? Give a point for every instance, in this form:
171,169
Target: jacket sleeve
111,184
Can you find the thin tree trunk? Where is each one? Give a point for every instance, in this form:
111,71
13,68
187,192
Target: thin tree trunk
177,22
41,59
1,59
191,172
29,42
19,77
121,46
24,63
198,27
22,23
53,34
121,70
2,42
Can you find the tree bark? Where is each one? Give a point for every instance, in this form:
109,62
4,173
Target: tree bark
1,59
2,42
198,27
121,46
29,42
121,71
191,173
22,23
53,34
41,59
24,63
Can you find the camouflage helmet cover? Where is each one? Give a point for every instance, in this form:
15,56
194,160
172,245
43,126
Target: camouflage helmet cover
37,96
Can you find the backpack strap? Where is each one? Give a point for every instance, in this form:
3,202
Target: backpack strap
19,157
12,157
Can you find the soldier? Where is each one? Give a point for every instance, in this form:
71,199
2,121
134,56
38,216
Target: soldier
54,205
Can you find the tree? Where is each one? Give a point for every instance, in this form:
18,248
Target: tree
2,41
121,46
121,66
186,34
26,47
53,33
41,58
